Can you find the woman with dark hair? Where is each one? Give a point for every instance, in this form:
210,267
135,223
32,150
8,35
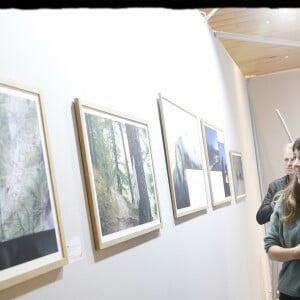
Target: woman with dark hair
283,240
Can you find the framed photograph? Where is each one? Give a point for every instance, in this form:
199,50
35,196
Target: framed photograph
217,163
31,236
119,174
183,148
237,174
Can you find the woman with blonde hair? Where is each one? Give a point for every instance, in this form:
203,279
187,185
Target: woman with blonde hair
282,242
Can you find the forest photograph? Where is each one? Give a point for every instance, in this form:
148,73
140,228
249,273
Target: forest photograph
122,174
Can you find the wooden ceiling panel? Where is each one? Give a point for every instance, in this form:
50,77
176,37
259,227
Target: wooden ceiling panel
259,57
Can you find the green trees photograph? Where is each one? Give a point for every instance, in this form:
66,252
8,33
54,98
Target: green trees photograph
123,175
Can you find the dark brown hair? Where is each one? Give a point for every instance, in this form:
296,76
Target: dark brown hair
296,145
291,194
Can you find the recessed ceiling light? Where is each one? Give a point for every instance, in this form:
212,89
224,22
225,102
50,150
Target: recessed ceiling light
286,56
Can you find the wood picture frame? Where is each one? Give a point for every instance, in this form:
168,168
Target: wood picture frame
31,235
184,157
237,174
119,174
217,163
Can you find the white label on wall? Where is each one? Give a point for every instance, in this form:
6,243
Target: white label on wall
74,249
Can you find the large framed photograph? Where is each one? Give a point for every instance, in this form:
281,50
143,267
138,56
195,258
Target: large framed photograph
119,174
184,156
237,174
217,163
31,236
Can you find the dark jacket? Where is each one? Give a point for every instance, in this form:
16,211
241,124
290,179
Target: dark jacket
264,212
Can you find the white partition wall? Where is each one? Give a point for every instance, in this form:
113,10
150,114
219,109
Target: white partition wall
122,59
267,95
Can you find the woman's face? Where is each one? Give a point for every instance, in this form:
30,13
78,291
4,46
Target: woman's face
296,164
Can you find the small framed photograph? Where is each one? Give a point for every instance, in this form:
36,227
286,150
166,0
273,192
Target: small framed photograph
237,174
217,163
31,235
119,173
183,148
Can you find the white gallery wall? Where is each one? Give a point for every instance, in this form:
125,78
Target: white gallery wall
266,94
122,59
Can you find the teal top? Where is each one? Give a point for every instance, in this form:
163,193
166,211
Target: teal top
286,235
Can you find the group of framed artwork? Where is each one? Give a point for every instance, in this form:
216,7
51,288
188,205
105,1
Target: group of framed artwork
119,178
196,161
